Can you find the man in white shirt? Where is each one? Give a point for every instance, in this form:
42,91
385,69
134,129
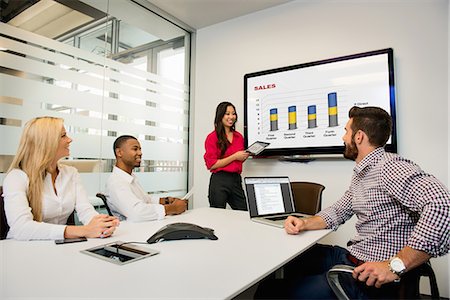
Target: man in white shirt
126,197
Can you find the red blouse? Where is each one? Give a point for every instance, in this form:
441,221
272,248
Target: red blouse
213,152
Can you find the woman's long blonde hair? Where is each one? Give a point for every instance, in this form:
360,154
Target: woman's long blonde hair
36,152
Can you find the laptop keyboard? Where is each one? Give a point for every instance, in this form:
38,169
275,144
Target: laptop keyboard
283,217
277,218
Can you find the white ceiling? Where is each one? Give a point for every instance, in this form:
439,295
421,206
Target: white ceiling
202,13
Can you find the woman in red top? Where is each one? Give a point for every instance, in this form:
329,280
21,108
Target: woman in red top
224,157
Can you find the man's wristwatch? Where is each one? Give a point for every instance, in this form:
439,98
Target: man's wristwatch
397,266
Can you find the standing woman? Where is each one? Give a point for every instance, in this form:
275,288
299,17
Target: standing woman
224,157
40,194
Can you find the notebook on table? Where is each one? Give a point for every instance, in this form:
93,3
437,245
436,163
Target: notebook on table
270,200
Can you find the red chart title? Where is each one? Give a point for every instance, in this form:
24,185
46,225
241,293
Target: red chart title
265,87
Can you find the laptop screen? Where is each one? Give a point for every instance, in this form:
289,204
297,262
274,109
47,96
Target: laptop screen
268,195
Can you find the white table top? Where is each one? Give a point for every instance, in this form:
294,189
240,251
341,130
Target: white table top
245,253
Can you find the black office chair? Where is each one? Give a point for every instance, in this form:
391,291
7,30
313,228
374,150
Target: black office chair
307,197
407,289
333,277
105,201
4,228
71,219
427,271
307,200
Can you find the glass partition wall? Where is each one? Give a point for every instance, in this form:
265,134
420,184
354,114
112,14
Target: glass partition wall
107,68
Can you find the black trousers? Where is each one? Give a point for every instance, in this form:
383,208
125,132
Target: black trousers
225,187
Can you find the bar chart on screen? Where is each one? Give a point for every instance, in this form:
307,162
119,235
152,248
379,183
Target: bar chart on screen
307,115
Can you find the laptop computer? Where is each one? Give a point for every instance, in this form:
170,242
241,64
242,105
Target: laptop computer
270,200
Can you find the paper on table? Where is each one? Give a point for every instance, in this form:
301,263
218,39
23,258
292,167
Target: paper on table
189,194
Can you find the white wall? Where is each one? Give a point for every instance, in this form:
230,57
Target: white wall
304,31
448,114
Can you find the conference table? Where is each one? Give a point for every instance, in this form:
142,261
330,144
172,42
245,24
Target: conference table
244,253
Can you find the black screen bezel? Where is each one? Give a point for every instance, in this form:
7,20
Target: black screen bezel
391,147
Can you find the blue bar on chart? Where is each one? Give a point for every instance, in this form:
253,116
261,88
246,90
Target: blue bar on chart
292,117
273,119
312,117
332,110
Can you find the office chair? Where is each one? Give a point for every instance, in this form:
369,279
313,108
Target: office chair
427,271
4,228
307,200
408,289
307,197
105,201
71,219
333,280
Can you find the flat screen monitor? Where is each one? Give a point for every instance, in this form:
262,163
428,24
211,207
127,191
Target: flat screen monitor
302,109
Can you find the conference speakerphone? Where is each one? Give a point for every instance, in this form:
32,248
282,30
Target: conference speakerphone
119,252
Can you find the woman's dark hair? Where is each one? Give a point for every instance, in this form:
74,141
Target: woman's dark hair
374,121
220,129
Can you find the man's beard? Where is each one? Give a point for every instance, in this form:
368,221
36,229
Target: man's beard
351,151
132,163
137,164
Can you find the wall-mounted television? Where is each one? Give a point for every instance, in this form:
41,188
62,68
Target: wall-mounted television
302,109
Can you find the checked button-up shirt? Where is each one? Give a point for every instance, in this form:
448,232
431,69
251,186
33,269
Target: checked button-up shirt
397,204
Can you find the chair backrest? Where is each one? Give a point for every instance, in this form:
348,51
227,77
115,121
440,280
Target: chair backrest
334,282
4,228
105,201
307,196
426,270
71,219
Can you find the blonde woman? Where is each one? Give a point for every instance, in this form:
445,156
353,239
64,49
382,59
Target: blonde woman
40,194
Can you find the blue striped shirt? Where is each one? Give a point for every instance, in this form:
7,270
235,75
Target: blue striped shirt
397,204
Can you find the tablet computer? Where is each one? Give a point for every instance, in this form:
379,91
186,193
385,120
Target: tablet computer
257,147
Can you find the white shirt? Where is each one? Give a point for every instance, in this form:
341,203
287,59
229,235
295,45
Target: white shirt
56,208
128,200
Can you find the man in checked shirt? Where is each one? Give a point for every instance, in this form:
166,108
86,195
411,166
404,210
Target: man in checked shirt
402,219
